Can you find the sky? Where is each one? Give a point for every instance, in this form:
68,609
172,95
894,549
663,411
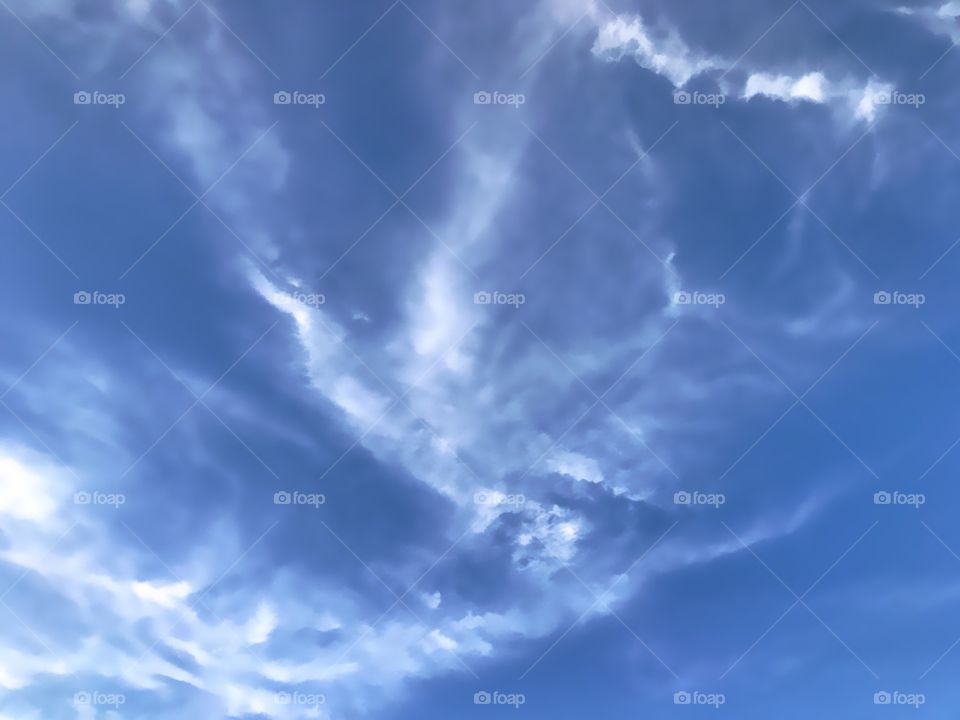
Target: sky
416,359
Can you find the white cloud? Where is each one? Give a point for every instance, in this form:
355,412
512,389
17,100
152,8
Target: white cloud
874,95
858,102
480,409
575,465
565,12
441,313
668,55
442,641
949,10
557,530
139,9
941,20
168,595
259,628
26,494
364,406
811,87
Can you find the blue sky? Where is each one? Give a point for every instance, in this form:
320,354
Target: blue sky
428,359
